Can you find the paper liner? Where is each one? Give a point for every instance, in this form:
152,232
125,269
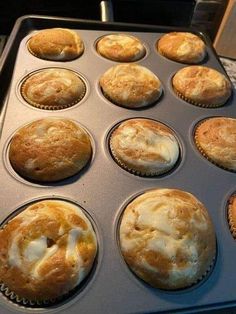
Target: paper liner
204,154
206,273
134,171
196,103
52,107
12,296
232,225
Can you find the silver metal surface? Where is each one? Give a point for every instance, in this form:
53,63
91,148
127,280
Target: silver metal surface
106,10
103,188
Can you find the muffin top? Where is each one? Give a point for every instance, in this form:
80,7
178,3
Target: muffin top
57,44
53,89
167,238
216,139
144,146
121,47
182,47
49,149
46,250
202,86
130,85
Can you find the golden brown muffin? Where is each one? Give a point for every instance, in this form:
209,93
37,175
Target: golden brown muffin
232,214
121,47
202,86
46,250
182,47
53,89
50,149
57,44
216,140
167,238
130,85
144,147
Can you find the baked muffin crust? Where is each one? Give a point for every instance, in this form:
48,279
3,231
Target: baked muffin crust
202,86
53,89
57,44
121,47
167,238
130,85
232,214
46,250
144,146
49,149
216,139
182,47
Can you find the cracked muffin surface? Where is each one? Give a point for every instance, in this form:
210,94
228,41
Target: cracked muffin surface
50,149
167,238
46,250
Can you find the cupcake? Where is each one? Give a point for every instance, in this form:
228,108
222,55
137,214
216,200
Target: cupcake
130,85
182,47
46,251
121,47
202,86
232,214
216,140
167,238
144,147
49,149
56,44
53,89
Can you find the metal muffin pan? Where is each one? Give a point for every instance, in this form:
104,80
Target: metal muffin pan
103,188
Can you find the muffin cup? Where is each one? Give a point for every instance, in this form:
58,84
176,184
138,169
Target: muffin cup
134,171
52,107
205,154
13,297
232,225
192,102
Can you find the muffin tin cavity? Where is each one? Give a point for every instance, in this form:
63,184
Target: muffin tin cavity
53,88
120,47
215,139
44,239
49,151
56,44
144,147
202,86
158,239
131,86
183,47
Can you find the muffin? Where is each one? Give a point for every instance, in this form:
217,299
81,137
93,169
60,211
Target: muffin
182,47
130,85
232,214
49,149
216,140
56,44
46,250
53,89
144,147
167,238
202,86
121,47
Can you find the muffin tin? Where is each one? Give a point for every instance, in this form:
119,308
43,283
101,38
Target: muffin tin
103,189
